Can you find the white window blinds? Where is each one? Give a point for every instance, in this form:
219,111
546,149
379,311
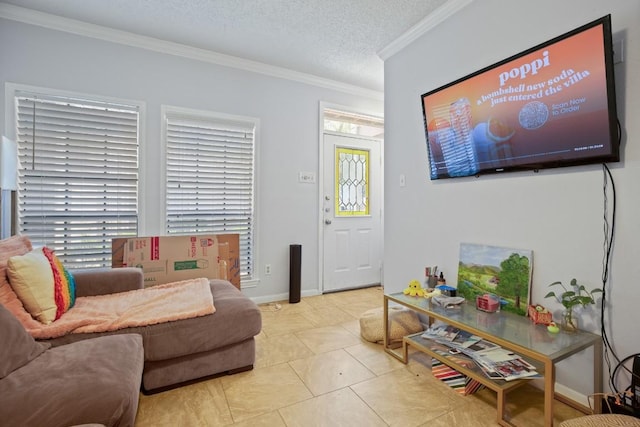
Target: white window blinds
210,178
78,175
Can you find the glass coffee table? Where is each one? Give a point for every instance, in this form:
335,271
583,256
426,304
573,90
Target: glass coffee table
510,331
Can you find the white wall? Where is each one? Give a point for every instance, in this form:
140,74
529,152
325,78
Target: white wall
288,140
556,213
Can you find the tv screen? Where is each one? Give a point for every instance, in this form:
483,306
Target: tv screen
552,105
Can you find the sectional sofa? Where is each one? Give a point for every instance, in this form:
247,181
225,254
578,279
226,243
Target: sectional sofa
154,358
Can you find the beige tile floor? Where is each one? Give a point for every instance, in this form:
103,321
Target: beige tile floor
313,369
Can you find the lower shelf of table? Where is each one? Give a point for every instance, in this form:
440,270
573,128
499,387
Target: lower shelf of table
463,364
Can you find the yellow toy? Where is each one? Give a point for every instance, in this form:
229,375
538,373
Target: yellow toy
414,289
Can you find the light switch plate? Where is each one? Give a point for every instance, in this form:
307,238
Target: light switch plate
306,177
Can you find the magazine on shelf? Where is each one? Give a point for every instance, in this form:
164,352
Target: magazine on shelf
482,346
457,338
495,361
502,363
441,333
466,339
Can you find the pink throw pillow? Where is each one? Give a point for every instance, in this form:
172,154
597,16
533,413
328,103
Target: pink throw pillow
12,246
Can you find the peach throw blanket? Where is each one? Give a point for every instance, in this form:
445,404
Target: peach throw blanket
140,307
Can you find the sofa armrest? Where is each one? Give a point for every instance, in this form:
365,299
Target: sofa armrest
102,281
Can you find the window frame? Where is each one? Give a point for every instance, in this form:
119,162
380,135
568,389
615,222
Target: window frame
196,114
13,89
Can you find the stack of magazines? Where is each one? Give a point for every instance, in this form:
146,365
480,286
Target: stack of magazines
495,361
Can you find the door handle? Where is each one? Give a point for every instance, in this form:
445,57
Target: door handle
327,221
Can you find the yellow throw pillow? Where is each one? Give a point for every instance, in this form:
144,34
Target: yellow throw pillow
32,280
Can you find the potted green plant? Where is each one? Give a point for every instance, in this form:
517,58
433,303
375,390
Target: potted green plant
571,298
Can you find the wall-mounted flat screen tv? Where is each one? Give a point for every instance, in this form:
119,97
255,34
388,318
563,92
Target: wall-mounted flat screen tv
550,106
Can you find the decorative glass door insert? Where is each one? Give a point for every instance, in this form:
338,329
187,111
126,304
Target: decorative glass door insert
352,182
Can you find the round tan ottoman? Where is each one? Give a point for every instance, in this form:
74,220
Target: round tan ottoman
402,321
602,420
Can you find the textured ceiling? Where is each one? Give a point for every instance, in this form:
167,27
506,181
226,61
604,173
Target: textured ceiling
333,39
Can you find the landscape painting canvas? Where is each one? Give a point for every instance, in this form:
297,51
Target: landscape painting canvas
504,272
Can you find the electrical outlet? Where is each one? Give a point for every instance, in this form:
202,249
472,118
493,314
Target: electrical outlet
267,269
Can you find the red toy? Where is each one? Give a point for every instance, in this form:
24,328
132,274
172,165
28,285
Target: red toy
487,303
540,315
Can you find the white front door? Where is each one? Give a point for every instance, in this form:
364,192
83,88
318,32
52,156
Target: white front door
352,203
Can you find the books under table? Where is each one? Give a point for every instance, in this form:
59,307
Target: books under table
495,361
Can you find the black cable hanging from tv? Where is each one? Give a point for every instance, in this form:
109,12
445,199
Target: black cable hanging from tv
609,230
608,245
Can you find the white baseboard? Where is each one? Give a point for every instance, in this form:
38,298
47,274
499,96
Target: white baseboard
565,391
282,297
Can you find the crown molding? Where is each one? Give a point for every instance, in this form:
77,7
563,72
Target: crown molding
430,21
84,29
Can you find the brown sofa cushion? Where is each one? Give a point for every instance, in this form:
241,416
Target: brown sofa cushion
93,381
107,280
18,348
236,319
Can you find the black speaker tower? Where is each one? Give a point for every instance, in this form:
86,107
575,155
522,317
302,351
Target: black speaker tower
295,270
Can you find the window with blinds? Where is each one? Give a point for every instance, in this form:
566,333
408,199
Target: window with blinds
210,178
78,175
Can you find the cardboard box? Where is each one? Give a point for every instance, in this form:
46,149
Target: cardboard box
166,259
